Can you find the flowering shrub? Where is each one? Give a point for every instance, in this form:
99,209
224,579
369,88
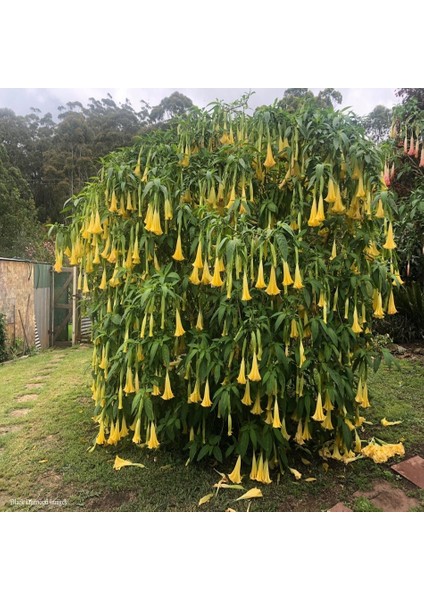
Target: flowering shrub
234,264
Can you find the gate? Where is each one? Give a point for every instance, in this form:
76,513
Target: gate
63,316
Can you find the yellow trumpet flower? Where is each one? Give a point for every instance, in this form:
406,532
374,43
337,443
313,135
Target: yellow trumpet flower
242,372
254,469
260,282
287,278
256,409
313,221
179,329
390,243
254,374
101,439
156,225
379,213
391,309
206,402
318,414
59,262
378,312
194,277
338,206
246,294
266,478
167,393
298,285
216,280
247,400
198,262
269,161
272,288
136,437
206,276
178,254
235,475
356,328
153,440
276,416
199,322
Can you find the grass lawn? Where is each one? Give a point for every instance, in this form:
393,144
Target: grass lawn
46,430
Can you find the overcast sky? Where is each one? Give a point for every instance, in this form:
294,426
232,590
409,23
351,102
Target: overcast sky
362,100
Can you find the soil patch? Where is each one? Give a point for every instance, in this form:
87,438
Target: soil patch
9,429
108,501
20,412
27,398
388,498
34,386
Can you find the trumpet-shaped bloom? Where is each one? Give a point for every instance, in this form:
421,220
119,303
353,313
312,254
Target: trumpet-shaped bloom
272,288
136,437
387,423
260,282
179,329
195,394
153,440
254,374
379,213
390,243
269,161
276,416
246,294
356,328
198,262
283,430
206,276
199,322
206,402
266,478
256,408
156,227
378,312
313,221
298,438
298,285
216,280
121,462
391,309
235,475
287,278
254,469
178,254
103,282
338,206
194,277
242,372
101,439
318,414
167,393
247,400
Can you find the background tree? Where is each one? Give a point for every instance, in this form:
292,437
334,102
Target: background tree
377,123
20,231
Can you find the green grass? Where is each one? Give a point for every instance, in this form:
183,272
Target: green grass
44,453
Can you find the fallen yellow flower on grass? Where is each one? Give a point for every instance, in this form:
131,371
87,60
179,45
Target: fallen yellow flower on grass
121,462
205,499
387,423
310,479
382,453
296,474
253,493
